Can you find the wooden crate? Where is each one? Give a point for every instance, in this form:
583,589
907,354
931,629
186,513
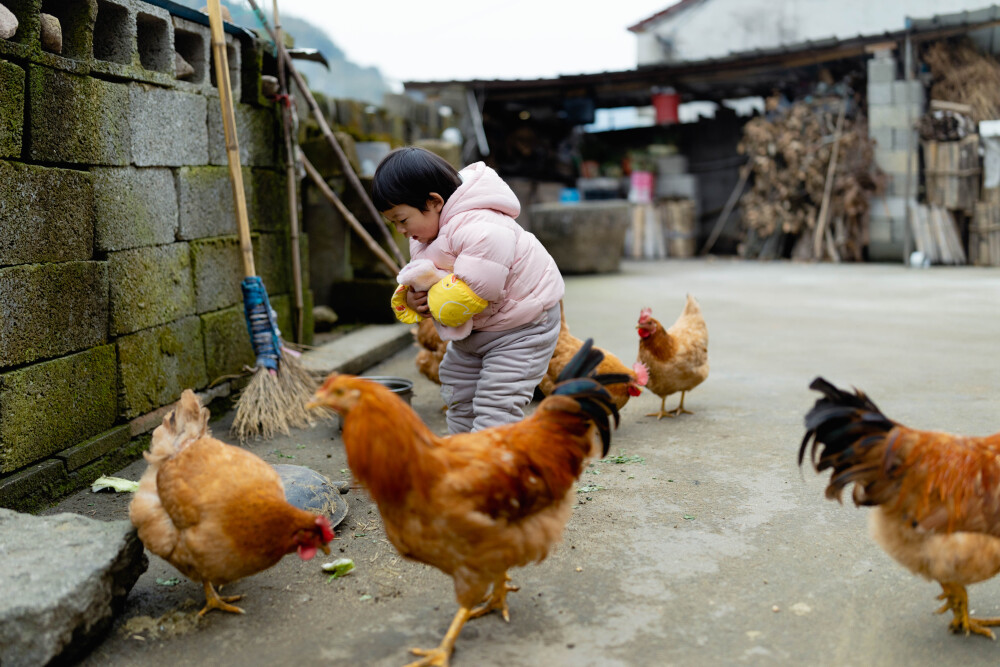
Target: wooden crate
984,235
680,224
951,171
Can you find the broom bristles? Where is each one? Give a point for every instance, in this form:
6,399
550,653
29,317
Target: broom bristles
276,402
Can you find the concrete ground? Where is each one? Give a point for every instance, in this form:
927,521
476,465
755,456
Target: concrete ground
712,548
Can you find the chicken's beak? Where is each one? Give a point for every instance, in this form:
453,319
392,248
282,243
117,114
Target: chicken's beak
325,549
313,404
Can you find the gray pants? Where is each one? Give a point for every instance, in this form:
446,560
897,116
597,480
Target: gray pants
488,378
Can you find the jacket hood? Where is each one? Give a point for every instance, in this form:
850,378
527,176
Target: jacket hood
481,188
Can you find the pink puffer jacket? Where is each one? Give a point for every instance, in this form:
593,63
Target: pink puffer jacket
480,242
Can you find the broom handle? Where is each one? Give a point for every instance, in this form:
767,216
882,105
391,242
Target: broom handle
229,127
328,133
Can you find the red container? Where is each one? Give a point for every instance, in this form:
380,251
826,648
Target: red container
666,105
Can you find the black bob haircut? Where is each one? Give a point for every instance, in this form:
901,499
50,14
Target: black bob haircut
409,175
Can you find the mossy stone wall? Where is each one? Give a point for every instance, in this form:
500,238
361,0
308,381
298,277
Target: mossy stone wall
119,264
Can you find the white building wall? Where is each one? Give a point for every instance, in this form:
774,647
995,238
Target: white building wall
719,27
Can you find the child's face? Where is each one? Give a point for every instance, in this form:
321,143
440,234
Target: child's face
421,226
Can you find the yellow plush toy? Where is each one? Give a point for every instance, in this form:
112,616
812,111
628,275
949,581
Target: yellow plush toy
452,302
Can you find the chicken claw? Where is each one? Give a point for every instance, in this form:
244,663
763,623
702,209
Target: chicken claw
497,599
214,601
957,600
439,657
679,410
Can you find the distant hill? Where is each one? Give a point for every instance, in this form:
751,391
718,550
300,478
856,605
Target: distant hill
344,78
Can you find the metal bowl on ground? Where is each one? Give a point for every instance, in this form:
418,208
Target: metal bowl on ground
313,492
399,386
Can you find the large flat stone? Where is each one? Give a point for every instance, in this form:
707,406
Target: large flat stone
11,109
63,578
135,207
150,286
52,405
78,119
156,365
48,214
51,309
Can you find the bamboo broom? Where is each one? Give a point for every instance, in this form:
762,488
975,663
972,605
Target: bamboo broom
275,398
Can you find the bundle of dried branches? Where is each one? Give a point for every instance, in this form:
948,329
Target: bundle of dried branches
790,153
964,74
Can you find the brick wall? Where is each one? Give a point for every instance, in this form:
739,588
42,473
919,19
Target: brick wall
119,260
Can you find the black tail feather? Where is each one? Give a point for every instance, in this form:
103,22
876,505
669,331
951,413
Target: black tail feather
579,381
843,429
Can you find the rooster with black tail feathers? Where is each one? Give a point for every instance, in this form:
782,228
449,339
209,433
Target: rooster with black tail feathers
474,505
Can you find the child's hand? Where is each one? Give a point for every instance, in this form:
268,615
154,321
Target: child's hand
418,302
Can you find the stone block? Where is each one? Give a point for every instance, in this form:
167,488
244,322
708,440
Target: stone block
133,40
135,207
897,184
256,134
168,127
78,119
895,161
273,257
889,207
47,214
52,612
880,93
268,206
193,43
11,109
909,92
893,115
49,406
86,452
882,136
32,486
76,20
156,365
150,286
205,198
903,139
51,309
585,237
218,270
881,70
227,342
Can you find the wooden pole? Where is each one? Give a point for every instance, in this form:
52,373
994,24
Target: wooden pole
332,197
727,210
820,234
298,306
229,128
345,164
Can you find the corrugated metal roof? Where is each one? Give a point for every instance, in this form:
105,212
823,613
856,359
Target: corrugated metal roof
727,71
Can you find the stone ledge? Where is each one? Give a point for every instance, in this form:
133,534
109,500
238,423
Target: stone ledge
358,350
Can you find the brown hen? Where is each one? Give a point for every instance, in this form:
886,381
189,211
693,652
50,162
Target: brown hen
676,358
214,511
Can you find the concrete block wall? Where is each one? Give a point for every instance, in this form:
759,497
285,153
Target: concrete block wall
119,258
894,107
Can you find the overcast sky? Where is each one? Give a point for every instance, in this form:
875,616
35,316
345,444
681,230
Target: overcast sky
410,40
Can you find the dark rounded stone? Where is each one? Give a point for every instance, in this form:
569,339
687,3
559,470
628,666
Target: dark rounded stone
309,490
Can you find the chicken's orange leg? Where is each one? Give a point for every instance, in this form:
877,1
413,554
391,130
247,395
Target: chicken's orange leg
679,410
438,657
663,410
497,599
214,601
957,600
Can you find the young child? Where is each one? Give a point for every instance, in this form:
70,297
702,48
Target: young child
500,277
